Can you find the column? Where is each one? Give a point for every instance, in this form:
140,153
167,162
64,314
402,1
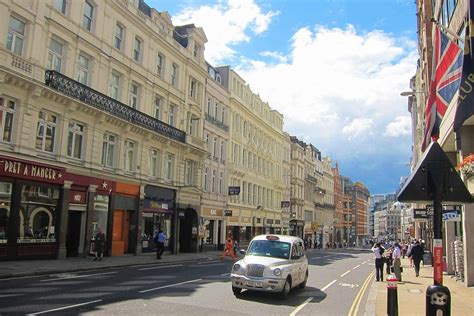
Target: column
449,238
89,218
468,244
64,219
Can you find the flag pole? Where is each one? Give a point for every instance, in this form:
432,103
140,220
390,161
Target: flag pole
446,30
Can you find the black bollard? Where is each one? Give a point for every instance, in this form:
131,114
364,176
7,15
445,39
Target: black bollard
438,301
392,296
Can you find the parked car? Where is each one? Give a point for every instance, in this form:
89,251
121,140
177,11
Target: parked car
272,263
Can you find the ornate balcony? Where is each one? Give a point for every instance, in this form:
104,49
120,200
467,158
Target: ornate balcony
77,90
310,178
216,122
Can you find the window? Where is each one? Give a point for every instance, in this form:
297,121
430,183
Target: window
197,50
174,75
108,150
46,131
158,107
137,49
193,89
171,115
88,15
60,5
129,156
169,167
221,182
213,184
74,140
115,86
7,112
83,64
189,172
209,106
223,115
214,147
206,180
160,65
16,35
155,162
55,55
134,95
118,37
222,150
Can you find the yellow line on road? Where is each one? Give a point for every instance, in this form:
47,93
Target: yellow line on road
355,305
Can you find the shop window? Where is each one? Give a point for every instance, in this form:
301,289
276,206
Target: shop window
101,213
5,203
7,113
38,213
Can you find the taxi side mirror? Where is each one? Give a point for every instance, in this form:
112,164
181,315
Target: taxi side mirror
243,251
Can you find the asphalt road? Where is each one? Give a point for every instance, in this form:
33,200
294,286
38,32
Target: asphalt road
334,287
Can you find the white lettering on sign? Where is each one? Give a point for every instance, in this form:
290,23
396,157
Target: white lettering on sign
213,212
15,167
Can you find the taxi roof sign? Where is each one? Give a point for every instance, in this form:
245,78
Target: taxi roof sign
272,237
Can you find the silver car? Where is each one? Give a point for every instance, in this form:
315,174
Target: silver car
272,263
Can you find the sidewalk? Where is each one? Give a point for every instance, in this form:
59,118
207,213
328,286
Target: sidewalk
10,269
412,297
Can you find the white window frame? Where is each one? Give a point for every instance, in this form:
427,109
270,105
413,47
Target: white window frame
189,172
134,101
7,119
158,107
14,36
206,179
174,75
213,181
160,64
222,154
88,20
137,49
193,85
55,59
170,159
129,155
221,182
75,131
60,5
108,150
155,163
83,70
172,115
45,125
115,80
119,36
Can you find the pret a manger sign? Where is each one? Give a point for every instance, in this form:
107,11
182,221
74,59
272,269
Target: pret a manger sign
31,171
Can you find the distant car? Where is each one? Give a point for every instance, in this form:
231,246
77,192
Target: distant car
272,263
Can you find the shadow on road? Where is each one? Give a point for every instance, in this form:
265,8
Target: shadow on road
297,297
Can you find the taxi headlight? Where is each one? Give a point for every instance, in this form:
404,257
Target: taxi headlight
236,267
277,272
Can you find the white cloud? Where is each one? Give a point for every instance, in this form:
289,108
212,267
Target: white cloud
279,57
401,126
341,88
226,24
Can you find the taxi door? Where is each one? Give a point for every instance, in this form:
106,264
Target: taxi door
297,255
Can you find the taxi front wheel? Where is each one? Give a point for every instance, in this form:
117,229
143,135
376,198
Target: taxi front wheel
303,285
286,289
236,290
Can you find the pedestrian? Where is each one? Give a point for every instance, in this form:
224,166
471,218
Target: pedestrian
410,246
404,249
229,248
397,264
388,259
378,251
416,254
99,241
160,239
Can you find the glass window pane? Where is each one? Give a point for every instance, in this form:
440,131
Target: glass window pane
17,25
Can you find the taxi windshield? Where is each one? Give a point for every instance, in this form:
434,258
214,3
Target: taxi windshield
269,248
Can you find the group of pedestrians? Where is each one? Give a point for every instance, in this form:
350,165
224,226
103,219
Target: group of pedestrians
391,254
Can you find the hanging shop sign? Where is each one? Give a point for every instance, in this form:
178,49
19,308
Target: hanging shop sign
234,190
285,204
227,212
31,171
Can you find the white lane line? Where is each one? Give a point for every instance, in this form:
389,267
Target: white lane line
207,262
10,295
345,273
224,274
309,299
63,308
77,276
170,285
356,267
161,267
327,286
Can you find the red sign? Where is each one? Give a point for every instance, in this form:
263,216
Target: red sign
31,171
77,197
438,261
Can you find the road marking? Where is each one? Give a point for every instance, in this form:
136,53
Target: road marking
10,295
207,262
345,273
327,286
349,285
356,267
77,276
170,285
355,305
63,308
309,299
224,274
161,267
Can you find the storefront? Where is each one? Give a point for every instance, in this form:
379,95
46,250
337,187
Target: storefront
31,197
158,213
212,228
296,228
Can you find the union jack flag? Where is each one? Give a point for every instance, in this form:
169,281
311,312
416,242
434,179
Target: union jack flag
445,80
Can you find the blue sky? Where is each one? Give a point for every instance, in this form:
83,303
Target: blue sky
348,61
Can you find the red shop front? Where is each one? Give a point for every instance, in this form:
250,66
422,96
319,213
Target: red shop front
31,197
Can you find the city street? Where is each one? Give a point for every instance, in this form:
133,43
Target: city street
200,288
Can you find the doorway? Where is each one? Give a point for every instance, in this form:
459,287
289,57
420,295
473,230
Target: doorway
73,237
188,231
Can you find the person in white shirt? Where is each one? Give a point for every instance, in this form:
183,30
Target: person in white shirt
378,251
397,262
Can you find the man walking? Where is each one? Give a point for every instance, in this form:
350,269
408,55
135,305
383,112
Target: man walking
397,262
378,251
416,254
160,239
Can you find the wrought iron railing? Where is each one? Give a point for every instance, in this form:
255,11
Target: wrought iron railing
77,90
216,122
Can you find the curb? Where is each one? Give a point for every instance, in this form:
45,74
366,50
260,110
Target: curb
79,269
370,305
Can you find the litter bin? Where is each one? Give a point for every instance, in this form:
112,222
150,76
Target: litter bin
438,301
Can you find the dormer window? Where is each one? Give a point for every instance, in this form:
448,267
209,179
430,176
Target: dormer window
197,50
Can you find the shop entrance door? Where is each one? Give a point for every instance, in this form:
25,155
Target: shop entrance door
73,233
118,233
188,231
